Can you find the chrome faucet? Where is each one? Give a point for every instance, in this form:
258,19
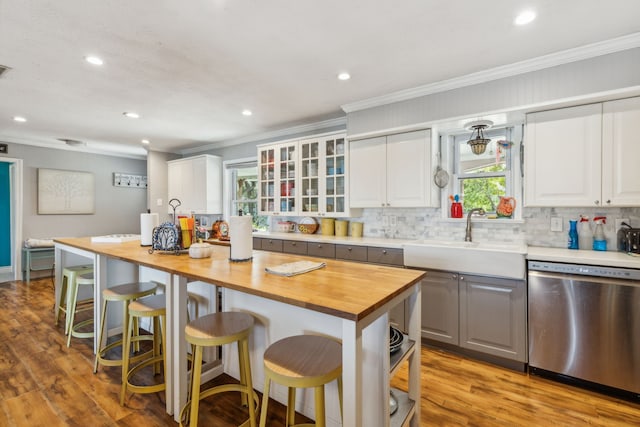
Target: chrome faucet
479,211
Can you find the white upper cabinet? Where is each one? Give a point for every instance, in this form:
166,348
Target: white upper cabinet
278,178
197,183
620,152
583,156
392,171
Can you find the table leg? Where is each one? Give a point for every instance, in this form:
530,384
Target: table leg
177,318
352,374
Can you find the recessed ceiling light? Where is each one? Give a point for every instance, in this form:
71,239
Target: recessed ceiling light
246,112
131,115
525,17
19,119
93,60
344,76
145,141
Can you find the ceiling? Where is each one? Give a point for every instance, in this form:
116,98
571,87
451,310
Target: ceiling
190,68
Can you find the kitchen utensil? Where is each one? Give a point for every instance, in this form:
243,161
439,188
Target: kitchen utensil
393,403
396,338
441,177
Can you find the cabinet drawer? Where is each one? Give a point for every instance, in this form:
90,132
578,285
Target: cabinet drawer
351,253
257,243
272,245
325,250
294,247
385,255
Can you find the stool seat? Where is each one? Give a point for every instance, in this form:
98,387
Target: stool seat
153,306
85,279
129,291
302,361
214,330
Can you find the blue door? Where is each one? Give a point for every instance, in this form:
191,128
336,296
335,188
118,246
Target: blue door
5,215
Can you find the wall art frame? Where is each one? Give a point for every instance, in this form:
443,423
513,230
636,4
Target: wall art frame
64,192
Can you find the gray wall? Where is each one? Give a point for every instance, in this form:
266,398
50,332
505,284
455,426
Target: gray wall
526,91
158,183
117,209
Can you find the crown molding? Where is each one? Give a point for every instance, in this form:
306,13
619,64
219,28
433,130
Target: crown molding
90,148
279,133
630,41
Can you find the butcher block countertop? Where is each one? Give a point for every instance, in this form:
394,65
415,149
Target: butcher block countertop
345,289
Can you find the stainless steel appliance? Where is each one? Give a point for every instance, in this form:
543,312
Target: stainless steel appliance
584,323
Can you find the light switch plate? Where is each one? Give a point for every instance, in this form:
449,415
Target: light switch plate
556,223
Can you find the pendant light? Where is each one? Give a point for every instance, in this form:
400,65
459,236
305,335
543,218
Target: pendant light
478,142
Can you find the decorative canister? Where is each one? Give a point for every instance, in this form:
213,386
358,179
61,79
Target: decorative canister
356,229
327,225
341,228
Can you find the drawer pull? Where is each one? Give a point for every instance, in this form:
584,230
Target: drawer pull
293,244
384,252
319,246
349,249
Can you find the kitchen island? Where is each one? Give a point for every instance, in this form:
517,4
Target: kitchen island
347,300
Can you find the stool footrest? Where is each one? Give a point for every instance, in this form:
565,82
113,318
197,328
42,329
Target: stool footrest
78,334
118,362
144,388
225,388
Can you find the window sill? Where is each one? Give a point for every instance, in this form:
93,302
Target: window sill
500,221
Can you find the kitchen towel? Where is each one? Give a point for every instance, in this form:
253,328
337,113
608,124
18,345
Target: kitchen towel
148,221
240,232
293,268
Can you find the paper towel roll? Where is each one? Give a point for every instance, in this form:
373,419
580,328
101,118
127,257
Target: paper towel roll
240,232
148,221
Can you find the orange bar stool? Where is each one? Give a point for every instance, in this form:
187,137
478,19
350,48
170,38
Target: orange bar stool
302,361
68,278
217,329
124,294
75,330
153,307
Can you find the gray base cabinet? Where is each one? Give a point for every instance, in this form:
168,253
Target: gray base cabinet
493,315
440,307
483,314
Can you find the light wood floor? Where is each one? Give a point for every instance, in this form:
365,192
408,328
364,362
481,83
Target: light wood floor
42,383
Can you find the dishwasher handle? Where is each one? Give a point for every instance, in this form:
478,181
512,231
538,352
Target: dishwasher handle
581,278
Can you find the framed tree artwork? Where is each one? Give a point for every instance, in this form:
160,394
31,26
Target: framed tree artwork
62,192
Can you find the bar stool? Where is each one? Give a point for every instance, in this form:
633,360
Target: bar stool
68,277
74,330
154,307
125,294
302,361
217,329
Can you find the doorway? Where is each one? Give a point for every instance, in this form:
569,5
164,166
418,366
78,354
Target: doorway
11,219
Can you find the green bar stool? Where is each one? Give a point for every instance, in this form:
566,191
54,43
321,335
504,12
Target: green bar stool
153,307
75,330
68,277
302,361
124,294
217,329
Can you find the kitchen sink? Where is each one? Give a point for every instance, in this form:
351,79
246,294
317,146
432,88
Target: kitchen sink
487,259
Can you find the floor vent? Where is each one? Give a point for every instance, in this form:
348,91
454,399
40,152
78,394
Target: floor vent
3,69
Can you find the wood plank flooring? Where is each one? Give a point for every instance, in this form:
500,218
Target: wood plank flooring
44,383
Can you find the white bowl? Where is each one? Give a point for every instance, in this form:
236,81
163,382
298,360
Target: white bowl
200,250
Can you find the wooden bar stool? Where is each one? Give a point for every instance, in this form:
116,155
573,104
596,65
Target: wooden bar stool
302,361
68,277
125,294
217,329
74,330
154,307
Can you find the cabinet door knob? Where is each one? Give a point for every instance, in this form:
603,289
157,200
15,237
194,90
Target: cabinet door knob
461,277
453,276
608,201
597,202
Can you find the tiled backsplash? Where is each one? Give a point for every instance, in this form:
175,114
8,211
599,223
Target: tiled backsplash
534,229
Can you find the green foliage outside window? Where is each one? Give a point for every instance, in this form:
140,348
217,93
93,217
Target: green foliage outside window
483,192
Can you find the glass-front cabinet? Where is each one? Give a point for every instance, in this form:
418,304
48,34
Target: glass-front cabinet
305,178
277,166
323,176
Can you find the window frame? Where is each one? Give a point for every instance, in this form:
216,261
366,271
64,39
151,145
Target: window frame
513,173
230,168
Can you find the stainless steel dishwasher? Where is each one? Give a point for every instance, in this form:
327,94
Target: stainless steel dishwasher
584,323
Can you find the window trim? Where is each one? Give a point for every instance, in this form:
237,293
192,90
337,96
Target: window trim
514,172
227,180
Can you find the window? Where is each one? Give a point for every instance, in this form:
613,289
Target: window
481,179
242,188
